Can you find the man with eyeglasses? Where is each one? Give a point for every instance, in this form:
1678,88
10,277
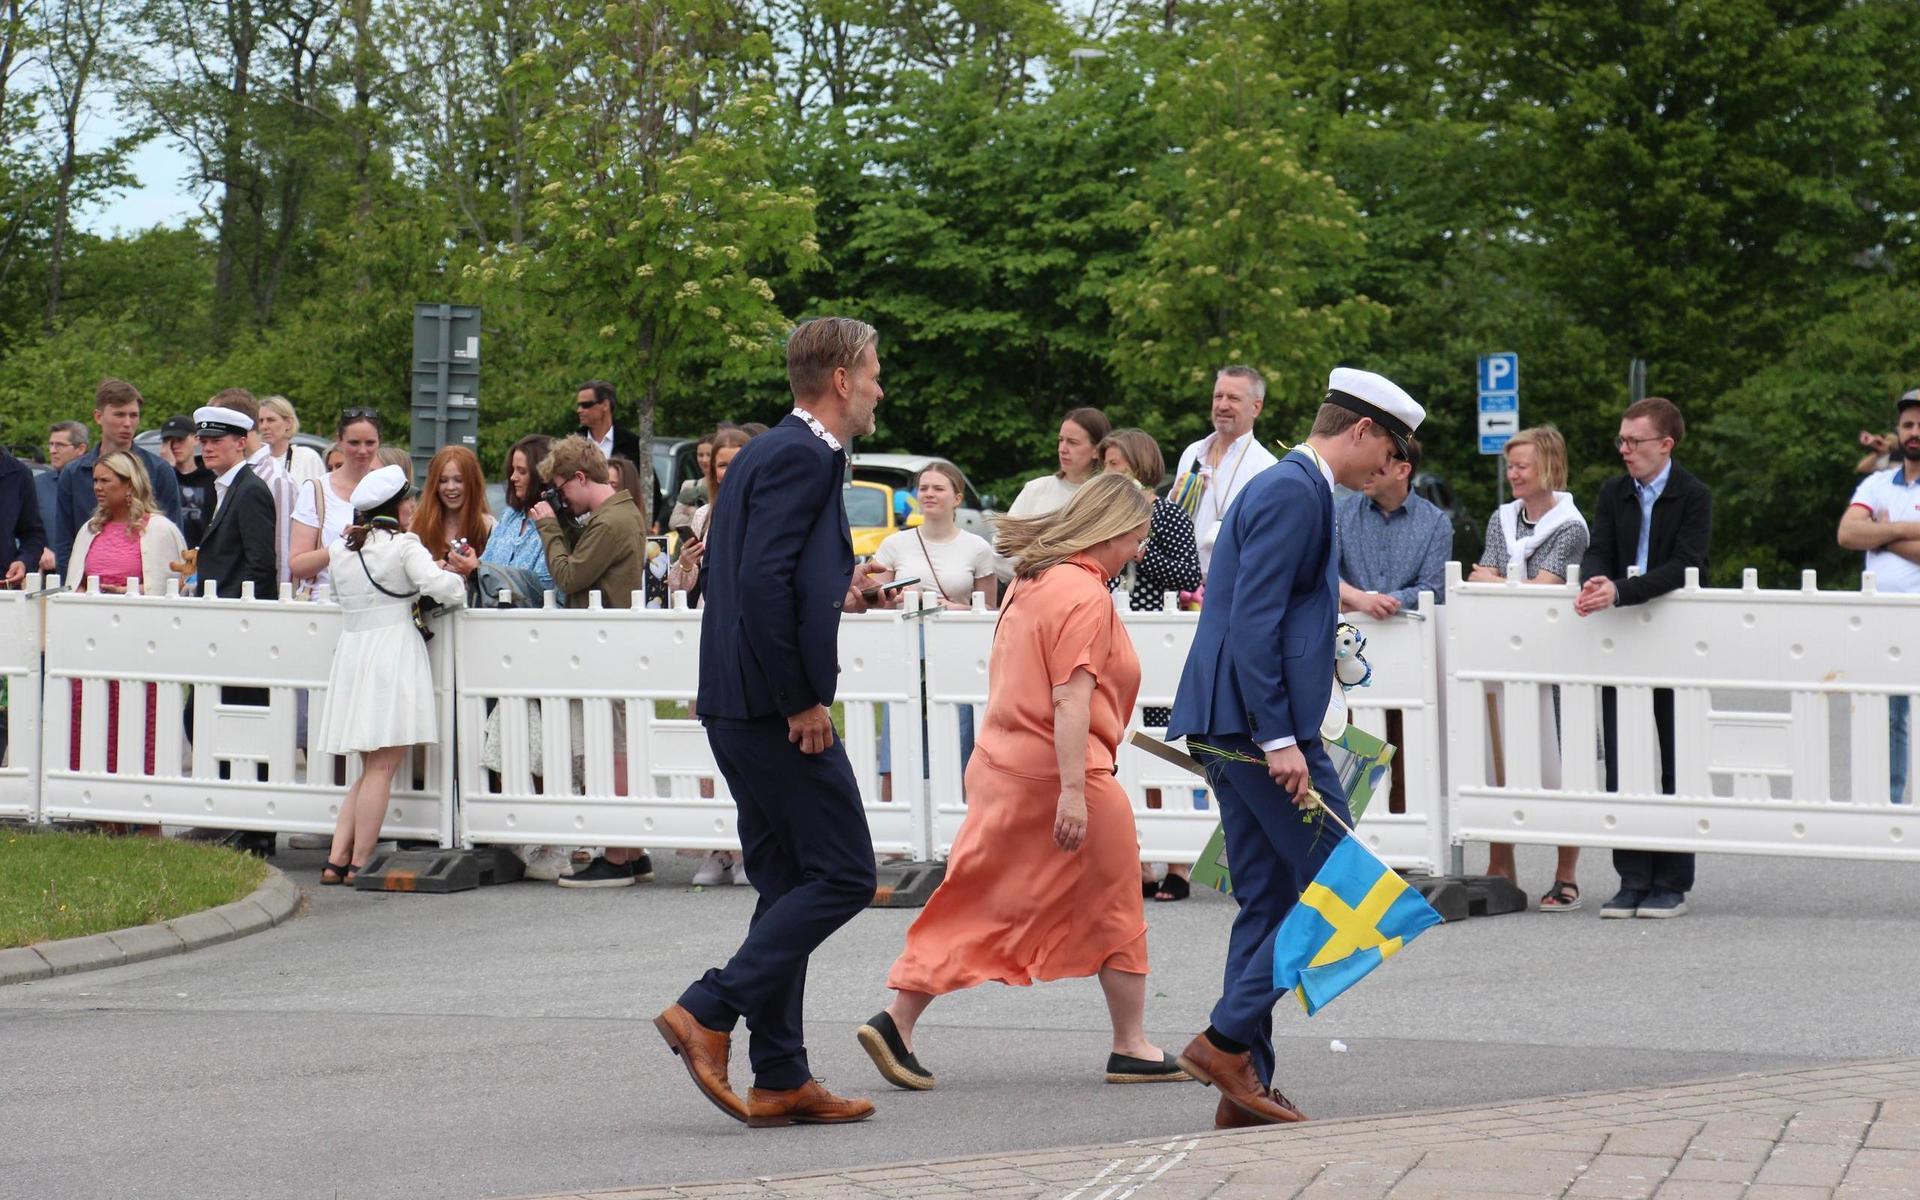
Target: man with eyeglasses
66,441
1658,519
593,404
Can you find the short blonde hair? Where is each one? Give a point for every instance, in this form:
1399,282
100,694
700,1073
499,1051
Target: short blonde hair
1550,451
574,453
281,407
821,346
1104,507
140,504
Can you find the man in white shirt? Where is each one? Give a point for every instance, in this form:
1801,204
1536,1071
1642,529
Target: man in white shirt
593,403
1214,470
1883,519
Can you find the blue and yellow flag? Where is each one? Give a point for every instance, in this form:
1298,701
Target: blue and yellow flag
1354,916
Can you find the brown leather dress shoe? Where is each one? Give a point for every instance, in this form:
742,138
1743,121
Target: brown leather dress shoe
1231,1116
808,1104
1233,1074
705,1054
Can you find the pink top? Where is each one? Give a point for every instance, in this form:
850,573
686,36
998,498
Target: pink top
114,555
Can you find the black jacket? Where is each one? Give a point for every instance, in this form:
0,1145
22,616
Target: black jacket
1682,529
22,535
626,443
238,546
196,501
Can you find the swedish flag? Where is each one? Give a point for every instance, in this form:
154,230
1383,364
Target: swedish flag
1354,916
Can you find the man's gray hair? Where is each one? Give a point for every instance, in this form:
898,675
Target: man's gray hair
818,347
72,429
1254,378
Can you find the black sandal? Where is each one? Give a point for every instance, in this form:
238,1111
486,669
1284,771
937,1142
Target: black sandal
1148,887
334,874
1563,896
1173,887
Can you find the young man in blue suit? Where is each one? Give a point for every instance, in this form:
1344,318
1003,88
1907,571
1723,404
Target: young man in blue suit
779,572
1256,684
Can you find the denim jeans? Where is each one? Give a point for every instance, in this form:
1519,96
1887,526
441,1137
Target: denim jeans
1898,710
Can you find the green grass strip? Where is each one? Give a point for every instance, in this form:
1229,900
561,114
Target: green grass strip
62,885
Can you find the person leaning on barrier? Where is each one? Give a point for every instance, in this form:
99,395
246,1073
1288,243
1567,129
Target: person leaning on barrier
1542,531
381,700
1043,880
125,539
515,542
608,556
1883,519
23,537
1393,544
324,507
1657,518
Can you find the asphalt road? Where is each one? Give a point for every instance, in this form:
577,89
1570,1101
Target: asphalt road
499,1042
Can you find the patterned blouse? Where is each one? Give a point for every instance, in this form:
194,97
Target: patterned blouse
1170,563
515,542
1563,546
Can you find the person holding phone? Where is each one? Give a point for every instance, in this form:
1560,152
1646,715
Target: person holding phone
684,576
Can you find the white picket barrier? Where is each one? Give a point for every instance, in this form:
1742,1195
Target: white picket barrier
1751,783
203,648
583,666
20,668
1406,678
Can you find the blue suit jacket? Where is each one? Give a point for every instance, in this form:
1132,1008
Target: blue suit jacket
75,503
778,561
1262,658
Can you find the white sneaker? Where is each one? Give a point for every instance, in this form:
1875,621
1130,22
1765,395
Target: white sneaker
713,872
740,873
546,864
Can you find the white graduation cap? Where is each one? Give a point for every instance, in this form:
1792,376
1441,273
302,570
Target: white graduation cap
378,487
1379,398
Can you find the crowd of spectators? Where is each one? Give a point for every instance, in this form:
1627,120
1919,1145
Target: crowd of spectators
239,504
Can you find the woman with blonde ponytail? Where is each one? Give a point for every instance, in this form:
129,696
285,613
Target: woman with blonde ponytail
1044,878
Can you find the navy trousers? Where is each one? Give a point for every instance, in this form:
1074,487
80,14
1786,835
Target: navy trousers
808,851
1272,855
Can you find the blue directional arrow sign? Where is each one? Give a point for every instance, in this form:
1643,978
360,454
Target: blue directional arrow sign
1499,400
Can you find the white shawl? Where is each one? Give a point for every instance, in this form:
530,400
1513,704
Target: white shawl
1521,549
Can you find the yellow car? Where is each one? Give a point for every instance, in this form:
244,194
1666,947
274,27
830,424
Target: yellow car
874,513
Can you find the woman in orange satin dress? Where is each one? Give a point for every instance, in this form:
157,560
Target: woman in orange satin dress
1043,881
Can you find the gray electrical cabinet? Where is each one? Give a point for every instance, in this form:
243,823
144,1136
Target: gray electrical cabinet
445,403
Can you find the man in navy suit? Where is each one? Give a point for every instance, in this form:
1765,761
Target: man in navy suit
779,565
1256,685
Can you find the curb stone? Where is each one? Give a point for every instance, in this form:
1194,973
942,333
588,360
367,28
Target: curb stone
270,904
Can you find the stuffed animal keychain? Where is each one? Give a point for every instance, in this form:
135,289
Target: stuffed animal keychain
1350,670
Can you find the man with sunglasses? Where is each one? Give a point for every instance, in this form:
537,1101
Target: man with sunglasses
1657,518
593,404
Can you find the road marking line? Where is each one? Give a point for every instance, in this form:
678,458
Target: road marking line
1137,1176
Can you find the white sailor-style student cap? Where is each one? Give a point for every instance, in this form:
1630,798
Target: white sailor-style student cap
378,487
212,421
1378,397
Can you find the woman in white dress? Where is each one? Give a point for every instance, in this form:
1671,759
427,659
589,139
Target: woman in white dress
380,700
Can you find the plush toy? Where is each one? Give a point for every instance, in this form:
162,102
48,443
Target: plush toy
1350,670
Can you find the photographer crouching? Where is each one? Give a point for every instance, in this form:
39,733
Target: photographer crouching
594,536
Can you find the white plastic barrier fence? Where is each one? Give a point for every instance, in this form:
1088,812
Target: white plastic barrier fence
1406,679
163,661
20,668
1746,782
607,687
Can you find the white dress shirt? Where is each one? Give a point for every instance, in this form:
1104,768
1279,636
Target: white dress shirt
1244,459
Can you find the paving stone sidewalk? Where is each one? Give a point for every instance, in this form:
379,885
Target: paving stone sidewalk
1850,1132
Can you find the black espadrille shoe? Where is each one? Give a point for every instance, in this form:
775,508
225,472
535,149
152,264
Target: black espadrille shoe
1122,1069
880,1038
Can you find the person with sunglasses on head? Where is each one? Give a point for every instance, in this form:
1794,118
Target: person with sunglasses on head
1656,518
594,404
324,507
